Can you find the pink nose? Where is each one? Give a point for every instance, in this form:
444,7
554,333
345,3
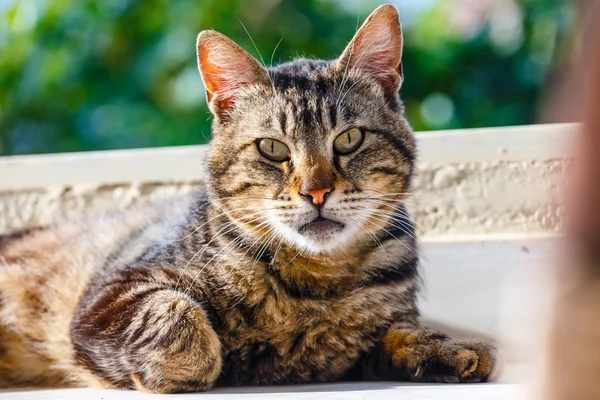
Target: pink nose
317,195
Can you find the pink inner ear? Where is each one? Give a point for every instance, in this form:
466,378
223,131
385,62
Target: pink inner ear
377,47
225,67
378,52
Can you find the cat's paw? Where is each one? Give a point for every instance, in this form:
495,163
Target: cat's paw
424,355
172,347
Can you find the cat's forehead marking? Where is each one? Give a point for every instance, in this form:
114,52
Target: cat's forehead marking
306,111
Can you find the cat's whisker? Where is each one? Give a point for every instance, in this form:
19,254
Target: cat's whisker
253,43
358,222
404,218
210,220
391,222
219,234
396,213
236,243
275,92
202,249
265,246
221,253
350,56
279,244
375,239
233,198
399,241
274,50
387,193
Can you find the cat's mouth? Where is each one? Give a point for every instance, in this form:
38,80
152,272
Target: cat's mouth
321,228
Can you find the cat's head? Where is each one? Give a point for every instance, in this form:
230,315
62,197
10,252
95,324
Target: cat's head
313,154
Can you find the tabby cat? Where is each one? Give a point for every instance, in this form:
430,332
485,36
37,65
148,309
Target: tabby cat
298,263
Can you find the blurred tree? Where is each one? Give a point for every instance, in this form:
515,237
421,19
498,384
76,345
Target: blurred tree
89,75
479,63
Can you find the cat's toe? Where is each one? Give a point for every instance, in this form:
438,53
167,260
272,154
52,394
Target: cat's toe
427,357
489,362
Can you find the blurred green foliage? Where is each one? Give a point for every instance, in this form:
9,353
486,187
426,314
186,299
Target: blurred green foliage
87,75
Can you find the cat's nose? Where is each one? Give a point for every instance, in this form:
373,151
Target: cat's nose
317,179
317,196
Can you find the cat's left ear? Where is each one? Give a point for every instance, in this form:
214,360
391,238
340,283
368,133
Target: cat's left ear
226,69
377,48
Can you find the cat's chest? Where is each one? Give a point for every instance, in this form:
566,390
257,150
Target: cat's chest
299,340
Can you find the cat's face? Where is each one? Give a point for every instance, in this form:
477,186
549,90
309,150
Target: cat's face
312,154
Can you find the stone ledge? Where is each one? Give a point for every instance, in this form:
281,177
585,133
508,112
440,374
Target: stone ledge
470,182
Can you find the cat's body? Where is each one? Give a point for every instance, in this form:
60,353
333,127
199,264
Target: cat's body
298,263
271,330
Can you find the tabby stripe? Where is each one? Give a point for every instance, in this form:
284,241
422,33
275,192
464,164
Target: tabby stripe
384,170
298,341
396,231
297,292
118,251
333,115
243,187
220,169
398,145
270,167
6,239
143,327
401,272
116,311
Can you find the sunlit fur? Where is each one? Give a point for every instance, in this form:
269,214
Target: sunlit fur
226,288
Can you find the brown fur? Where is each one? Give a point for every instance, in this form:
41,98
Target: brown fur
242,285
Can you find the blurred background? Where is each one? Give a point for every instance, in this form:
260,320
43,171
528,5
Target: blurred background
79,75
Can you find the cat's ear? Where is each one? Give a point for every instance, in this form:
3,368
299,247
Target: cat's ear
377,48
225,68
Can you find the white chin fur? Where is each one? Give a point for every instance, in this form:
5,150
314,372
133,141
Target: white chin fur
305,243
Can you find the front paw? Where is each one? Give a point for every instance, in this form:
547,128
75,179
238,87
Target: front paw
172,347
423,355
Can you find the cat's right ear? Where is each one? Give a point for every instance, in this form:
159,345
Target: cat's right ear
225,69
377,48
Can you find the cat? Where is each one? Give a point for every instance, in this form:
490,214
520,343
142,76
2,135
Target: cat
297,263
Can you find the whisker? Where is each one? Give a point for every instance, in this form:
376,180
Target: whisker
401,214
376,240
239,240
219,253
401,242
200,252
207,222
275,49
391,222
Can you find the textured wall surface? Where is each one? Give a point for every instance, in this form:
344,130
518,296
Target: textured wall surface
492,181
455,199
490,198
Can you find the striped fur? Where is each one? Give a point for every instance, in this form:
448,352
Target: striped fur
224,288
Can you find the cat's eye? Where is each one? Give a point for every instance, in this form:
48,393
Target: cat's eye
273,150
348,141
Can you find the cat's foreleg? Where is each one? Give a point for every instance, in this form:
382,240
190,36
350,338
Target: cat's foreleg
144,336
420,354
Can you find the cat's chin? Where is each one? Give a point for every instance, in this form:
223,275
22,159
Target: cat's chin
321,229
322,234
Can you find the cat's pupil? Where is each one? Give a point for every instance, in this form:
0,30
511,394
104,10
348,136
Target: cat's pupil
272,147
349,139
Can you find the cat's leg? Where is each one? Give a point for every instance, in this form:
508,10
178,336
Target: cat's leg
421,354
143,336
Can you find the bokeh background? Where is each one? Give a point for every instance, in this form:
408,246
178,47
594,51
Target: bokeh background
79,75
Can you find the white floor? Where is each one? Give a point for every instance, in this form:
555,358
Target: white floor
347,391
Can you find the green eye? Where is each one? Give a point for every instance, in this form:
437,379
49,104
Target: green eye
348,141
273,150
